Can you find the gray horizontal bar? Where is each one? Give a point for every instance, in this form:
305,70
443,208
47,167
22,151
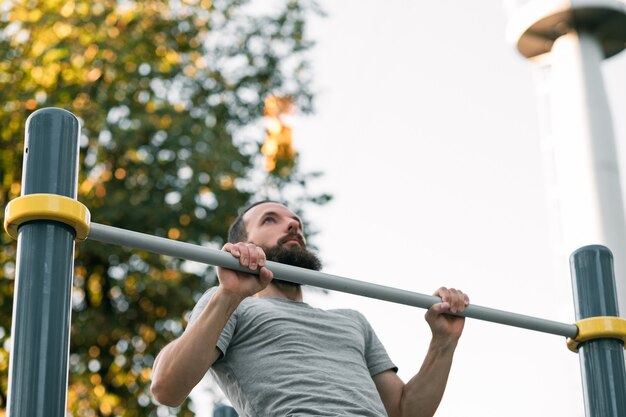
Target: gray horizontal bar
114,235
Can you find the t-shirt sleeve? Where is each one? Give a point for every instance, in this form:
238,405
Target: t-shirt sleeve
229,329
376,356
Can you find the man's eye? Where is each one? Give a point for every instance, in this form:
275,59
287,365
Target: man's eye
268,219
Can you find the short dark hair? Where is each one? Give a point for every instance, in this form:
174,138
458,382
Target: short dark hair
237,231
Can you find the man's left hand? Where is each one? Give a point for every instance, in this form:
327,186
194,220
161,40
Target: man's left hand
442,325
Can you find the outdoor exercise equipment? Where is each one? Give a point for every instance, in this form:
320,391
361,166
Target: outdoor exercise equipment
47,219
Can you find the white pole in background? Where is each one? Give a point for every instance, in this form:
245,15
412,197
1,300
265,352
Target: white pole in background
573,37
585,157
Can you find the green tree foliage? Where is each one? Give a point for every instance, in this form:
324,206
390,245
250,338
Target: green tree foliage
170,97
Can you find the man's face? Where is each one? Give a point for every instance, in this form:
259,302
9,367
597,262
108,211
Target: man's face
271,224
278,231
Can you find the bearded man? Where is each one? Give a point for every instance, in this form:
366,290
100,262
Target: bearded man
274,355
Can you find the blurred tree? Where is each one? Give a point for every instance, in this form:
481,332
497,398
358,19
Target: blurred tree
278,146
170,96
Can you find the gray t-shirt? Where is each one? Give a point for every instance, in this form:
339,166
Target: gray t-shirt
286,358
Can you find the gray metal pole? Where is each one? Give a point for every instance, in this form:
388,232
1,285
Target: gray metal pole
601,360
45,263
109,234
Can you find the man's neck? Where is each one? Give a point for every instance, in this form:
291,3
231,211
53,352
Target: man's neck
282,290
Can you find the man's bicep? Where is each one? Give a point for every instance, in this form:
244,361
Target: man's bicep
389,386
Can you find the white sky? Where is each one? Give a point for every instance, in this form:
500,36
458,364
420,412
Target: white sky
427,131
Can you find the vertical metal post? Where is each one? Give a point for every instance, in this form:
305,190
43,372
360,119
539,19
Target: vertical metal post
38,367
601,360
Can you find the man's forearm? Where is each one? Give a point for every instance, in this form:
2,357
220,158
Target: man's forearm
181,365
423,393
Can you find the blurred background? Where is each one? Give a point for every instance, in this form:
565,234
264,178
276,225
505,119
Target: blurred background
410,136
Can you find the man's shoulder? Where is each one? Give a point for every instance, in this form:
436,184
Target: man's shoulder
203,301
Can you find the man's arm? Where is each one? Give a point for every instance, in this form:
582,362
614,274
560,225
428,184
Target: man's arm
422,394
182,363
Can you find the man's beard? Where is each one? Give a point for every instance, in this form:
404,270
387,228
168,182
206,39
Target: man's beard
294,256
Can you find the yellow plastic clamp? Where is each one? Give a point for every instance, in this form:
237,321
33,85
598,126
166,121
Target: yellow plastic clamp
47,207
603,327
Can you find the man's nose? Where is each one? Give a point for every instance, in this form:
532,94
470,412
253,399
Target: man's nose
293,226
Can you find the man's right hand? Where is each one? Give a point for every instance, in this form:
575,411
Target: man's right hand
242,284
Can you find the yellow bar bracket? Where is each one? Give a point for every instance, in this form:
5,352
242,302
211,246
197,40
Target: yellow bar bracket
603,327
47,207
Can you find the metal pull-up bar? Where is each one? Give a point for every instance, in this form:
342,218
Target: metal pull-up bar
117,236
71,212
